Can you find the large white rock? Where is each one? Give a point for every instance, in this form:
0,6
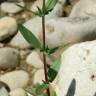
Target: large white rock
15,79
9,58
70,30
79,63
56,12
34,60
11,7
8,27
84,8
18,92
58,31
38,76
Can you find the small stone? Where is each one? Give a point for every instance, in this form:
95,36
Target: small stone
62,1
8,27
34,60
18,92
38,76
9,7
1,45
29,94
15,79
9,58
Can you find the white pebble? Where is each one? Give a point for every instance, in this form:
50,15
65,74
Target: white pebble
18,92
9,7
38,76
8,27
9,58
78,62
15,79
34,60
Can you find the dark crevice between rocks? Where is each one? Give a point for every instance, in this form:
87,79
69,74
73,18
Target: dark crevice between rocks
2,84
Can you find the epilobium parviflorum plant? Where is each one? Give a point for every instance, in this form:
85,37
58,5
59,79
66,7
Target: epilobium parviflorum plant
44,89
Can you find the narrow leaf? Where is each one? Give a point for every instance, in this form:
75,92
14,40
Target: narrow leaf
94,94
30,37
53,70
50,4
72,88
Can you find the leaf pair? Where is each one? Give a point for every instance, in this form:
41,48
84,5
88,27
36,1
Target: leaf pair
34,42
49,6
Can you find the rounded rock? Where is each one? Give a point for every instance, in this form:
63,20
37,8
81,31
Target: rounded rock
8,27
78,68
34,60
18,92
9,58
15,79
38,76
9,7
84,8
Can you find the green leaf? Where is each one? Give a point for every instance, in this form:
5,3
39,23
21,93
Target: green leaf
72,88
40,88
50,4
29,37
53,70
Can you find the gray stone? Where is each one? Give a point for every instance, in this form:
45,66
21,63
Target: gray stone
9,7
18,92
34,60
9,58
8,27
38,76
